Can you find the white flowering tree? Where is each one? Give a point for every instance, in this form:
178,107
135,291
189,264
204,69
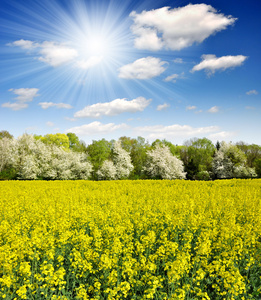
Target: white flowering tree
162,164
27,164
122,161
230,162
8,153
107,171
33,159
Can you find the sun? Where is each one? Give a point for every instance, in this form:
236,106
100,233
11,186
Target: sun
97,45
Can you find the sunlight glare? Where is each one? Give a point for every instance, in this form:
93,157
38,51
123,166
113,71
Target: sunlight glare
97,46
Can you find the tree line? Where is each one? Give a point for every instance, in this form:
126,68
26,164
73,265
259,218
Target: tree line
64,156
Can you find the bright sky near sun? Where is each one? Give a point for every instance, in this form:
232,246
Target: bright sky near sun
158,69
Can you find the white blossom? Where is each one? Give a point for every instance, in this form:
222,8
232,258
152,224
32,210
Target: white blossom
230,162
8,153
122,161
162,164
33,160
107,171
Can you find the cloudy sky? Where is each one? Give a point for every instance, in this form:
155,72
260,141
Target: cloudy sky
156,69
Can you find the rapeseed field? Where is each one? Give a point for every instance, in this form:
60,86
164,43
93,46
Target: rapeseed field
130,240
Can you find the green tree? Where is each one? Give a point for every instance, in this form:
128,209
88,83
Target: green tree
199,156
58,139
252,152
75,144
137,149
191,169
5,134
73,140
98,152
257,166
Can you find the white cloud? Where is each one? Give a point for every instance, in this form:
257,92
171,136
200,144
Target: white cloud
89,63
96,128
56,54
191,107
50,124
147,38
163,106
46,105
250,107
213,110
143,68
177,28
51,53
210,63
178,61
15,105
113,108
252,92
25,44
23,95
222,135
174,77
172,131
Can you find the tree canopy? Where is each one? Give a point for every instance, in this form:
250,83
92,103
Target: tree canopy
64,156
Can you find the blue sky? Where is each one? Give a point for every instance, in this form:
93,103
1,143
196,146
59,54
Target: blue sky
156,69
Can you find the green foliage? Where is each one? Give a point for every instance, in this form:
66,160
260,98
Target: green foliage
8,174
75,144
203,175
191,169
257,165
252,152
197,156
98,152
230,162
6,134
239,160
58,139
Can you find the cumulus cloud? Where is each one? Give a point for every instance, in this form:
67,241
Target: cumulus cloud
213,109
143,68
96,128
25,44
191,107
177,28
210,63
46,105
222,135
113,108
174,77
252,92
51,53
89,63
163,106
172,131
56,54
23,96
